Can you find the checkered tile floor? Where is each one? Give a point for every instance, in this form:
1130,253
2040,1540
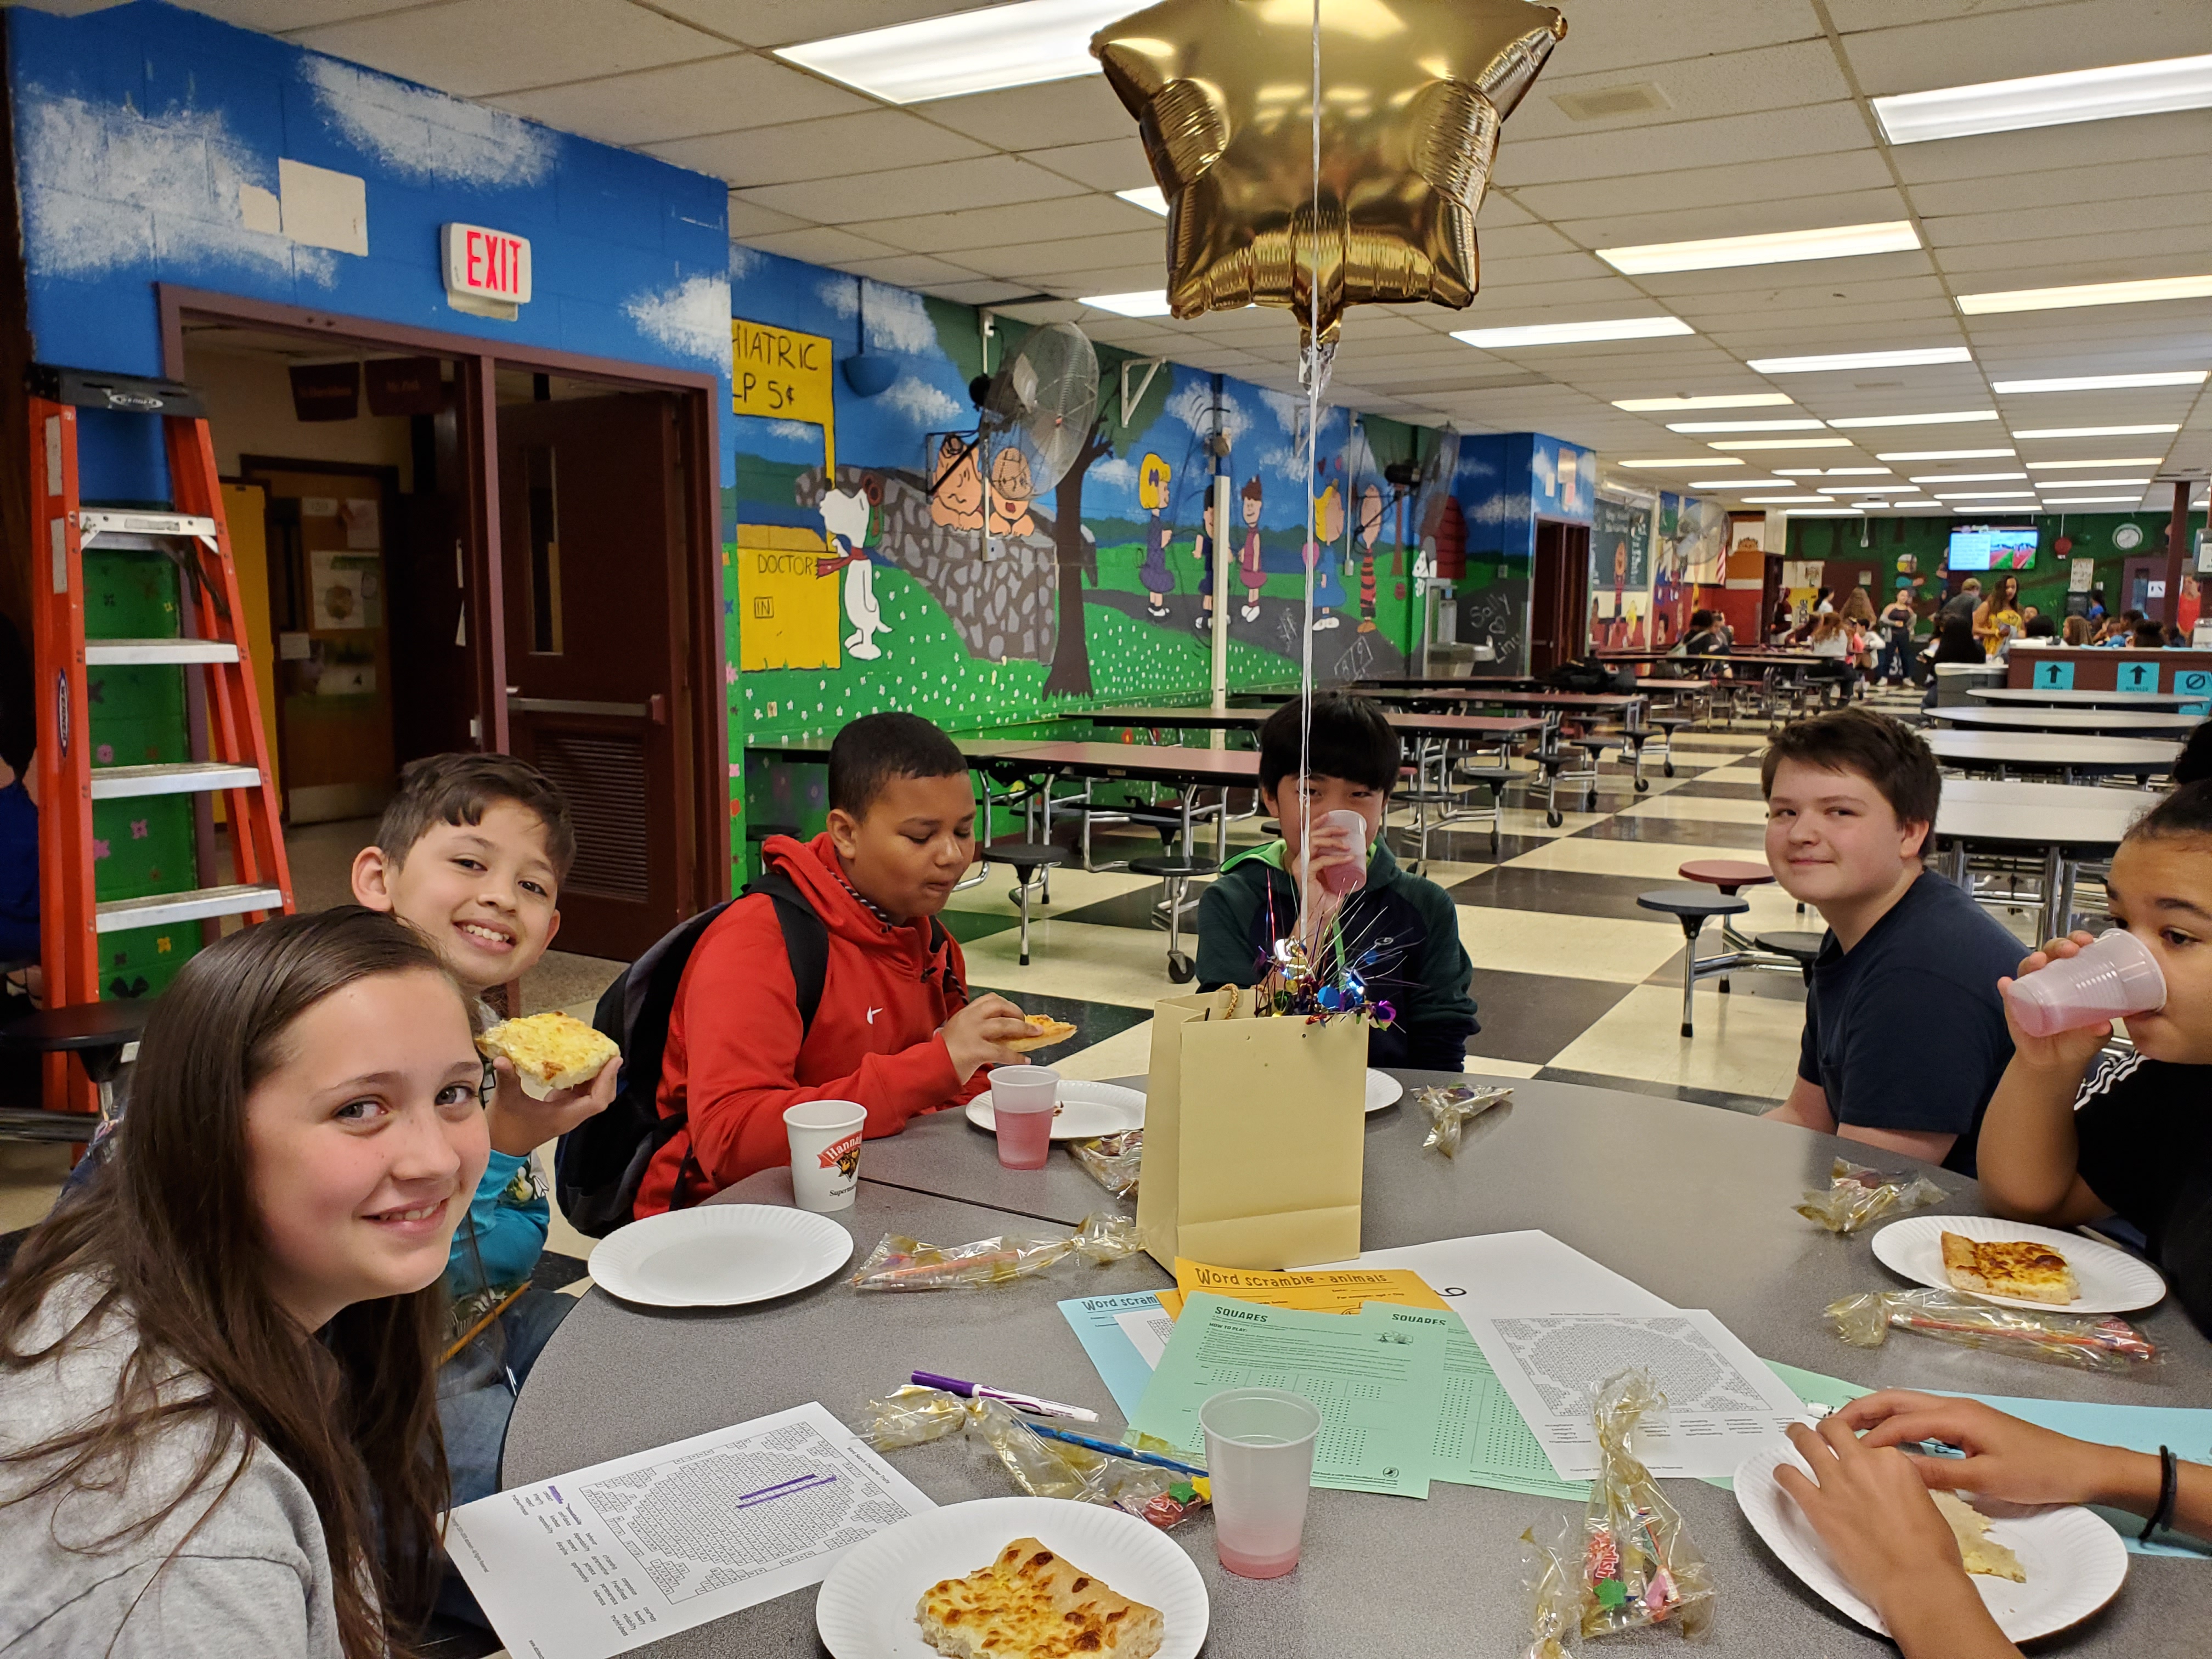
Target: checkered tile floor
1572,980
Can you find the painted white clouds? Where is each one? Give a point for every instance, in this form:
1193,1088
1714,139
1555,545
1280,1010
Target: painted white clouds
429,136
919,401
899,320
691,319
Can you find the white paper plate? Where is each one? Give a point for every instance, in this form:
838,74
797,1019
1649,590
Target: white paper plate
1085,1109
1382,1089
2111,1280
866,1609
2075,1562
719,1255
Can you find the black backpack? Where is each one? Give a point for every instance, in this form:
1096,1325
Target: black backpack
602,1161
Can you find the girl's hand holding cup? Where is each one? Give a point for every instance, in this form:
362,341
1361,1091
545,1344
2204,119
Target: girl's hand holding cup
2060,1009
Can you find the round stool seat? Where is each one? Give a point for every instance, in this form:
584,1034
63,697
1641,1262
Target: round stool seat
1693,902
1172,865
1024,855
1673,722
1802,945
1726,874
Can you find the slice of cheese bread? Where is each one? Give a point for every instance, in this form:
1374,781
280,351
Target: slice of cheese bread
1044,1031
2033,1273
1028,1603
1982,1554
550,1051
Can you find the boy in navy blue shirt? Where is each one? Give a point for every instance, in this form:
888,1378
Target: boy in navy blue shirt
1905,1032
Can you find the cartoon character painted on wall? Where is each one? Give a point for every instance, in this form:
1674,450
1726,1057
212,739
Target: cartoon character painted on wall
1620,594
849,525
955,501
1249,571
1156,579
1202,550
1372,512
1010,490
1327,591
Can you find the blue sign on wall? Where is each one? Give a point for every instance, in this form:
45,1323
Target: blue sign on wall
2054,677
2135,678
2192,682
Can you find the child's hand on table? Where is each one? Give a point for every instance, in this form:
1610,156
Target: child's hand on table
974,1037
2006,1458
520,1124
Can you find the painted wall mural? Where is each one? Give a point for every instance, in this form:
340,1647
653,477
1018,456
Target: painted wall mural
1620,573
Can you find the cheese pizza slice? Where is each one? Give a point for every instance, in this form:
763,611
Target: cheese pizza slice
1979,1552
2033,1273
1044,1032
1028,1603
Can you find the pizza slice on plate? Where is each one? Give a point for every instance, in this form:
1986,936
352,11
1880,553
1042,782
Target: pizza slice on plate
2015,1268
1028,1603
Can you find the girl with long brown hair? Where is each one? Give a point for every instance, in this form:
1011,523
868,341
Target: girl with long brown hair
218,1425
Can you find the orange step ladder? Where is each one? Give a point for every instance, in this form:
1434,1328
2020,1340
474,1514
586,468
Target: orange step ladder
235,762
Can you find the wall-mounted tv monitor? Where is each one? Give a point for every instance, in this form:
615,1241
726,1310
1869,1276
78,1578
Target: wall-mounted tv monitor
1985,547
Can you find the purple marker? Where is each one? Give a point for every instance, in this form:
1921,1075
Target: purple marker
1020,1402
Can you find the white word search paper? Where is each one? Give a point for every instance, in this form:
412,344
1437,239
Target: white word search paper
1722,1401
612,1557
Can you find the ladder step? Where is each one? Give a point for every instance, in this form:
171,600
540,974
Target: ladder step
118,652
173,778
159,909
96,521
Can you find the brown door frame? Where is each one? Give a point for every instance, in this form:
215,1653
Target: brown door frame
702,745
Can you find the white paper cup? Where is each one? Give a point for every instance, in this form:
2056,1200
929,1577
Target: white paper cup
1260,1454
2110,979
1022,1101
825,1151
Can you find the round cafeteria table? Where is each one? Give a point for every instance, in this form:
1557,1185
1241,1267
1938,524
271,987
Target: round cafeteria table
2065,822
2047,752
2026,696
1689,1200
2095,722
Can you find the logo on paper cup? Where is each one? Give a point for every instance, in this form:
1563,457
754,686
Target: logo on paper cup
843,1156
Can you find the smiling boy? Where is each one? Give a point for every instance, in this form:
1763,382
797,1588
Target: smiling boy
1904,1036
894,1030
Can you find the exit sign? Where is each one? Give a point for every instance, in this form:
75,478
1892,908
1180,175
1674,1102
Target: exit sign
487,271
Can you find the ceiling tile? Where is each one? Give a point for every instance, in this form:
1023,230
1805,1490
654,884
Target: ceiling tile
915,271
2003,46
983,291
716,94
1797,212
2186,133
1718,141
1027,259
2052,227
985,181
748,221
475,47
787,23
1771,77
1052,116
269,16
1113,164
822,244
2177,175
1720,185
2159,251
1616,35
1054,220
805,151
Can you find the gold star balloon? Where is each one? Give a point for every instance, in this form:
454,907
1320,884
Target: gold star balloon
1413,93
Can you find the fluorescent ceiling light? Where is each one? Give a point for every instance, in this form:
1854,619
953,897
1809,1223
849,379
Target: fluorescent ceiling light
1722,400
2094,484
1826,512
965,51
2046,100
1737,483
1150,197
2061,466
1972,478
2086,501
1781,501
1860,360
1868,490
1768,248
1746,426
1983,495
1946,417
1152,302
1678,463
1785,443
2087,294
2104,382
1948,455
1537,334
1858,472
2098,431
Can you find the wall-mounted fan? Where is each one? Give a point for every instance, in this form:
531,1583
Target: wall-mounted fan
1033,418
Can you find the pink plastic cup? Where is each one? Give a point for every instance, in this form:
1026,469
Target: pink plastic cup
2115,977
1260,1453
1022,1101
1345,877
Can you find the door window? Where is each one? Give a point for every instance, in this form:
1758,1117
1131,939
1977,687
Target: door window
544,532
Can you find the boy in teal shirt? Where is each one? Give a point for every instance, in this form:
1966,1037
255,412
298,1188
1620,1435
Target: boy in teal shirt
1402,930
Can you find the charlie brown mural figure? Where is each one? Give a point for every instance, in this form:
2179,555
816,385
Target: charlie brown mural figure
1010,490
1248,562
1372,513
955,501
1158,581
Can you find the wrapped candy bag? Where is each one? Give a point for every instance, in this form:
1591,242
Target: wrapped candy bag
2090,1341
1630,1564
1857,1196
1113,1161
1450,1110
906,1264
914,1416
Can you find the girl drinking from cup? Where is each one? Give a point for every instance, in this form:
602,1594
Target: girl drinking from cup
2135,1139
218,1424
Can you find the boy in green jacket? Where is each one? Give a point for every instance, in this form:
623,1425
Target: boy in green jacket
1401,931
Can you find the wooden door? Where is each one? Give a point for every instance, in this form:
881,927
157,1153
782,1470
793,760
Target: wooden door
1559,597
590,545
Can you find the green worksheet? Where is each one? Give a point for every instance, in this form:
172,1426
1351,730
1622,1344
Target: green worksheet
1482,1439
1378,1379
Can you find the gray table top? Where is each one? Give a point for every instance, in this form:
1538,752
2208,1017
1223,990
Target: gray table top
2079,816
2110,722
2053,752
2028,697
1692,1201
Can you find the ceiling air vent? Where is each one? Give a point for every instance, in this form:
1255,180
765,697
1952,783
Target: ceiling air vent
1607,103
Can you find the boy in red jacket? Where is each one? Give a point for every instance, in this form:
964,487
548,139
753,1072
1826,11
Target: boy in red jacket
894,1031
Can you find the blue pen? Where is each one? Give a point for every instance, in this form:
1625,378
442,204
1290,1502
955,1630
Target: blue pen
1115,1448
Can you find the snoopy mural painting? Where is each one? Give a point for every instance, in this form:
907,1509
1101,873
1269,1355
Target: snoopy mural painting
847,526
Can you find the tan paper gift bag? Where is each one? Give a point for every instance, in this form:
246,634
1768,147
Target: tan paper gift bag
1253,1137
